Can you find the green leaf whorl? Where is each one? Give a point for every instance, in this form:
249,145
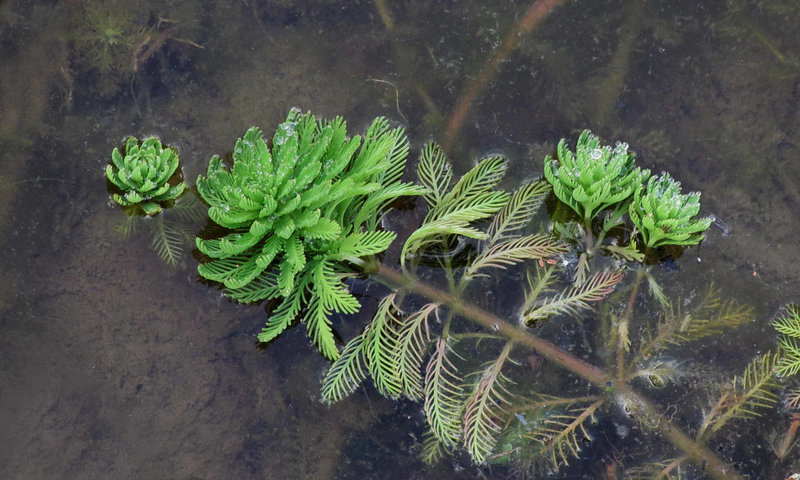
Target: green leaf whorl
664,216
300,214
594,177
143,175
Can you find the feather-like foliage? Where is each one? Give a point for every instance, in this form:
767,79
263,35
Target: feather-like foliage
472,198
171,231
391,350
433,450
299,214
512,251
444,396
672,469
788,325
380,348
561,432
484,412
346,373
435,173
709,315
571,301
752,391
168,241
505,246
518,212
412,344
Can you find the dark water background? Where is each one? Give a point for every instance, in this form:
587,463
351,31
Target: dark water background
116,365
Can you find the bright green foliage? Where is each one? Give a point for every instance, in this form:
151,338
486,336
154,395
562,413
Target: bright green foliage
484,409
143,175
451,212
789,327
408,354
299,215
594,177
571,301
664,216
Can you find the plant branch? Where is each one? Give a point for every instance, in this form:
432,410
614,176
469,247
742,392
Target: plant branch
698,453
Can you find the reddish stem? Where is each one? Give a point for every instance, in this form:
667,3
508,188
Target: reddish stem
536,14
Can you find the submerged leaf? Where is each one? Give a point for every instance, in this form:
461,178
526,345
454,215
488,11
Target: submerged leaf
443,396
483,413
571,301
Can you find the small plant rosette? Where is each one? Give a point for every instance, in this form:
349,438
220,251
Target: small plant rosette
594,177
664,216
143,173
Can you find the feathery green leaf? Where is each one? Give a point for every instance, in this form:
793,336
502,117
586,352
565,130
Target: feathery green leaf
483,415
444,396
346,373
571,301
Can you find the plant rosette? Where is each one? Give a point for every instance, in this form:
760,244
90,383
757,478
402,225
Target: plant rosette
594,177
300,215
664,216
143,173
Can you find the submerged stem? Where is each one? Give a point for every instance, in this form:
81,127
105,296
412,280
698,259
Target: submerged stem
788,439
715,467
623,326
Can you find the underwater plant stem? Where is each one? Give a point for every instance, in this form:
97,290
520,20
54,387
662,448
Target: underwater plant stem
623,327
589,238
788,439
715,467
535,15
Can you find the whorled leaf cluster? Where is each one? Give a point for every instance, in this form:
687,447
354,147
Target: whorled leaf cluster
296,211
664,216
594,177
143,174
420,354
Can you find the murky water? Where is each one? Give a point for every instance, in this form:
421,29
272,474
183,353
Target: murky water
116,365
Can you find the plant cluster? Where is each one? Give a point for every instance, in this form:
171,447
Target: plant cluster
298,217
664,216
146,176
595,178
294,218
145,180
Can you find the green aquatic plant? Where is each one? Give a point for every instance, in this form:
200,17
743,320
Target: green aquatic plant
172,231
664,216
144,179
106,37
594,177
146,175
788,325
461,362
294,217
589,181
300,216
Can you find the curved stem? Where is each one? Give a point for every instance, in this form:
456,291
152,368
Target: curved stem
698,453
622,327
